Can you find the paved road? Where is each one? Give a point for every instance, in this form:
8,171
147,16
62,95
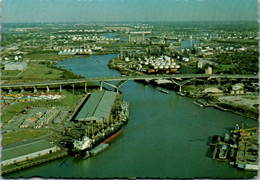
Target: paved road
135,77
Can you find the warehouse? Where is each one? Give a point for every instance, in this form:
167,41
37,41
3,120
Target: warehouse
16,66
98,107
26,150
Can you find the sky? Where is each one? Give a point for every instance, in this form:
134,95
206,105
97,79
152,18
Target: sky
127,10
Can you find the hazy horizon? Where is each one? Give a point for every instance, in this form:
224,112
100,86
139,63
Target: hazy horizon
91,11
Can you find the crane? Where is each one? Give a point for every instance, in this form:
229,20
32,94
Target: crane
242,130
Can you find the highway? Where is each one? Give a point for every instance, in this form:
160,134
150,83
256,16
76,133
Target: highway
134,77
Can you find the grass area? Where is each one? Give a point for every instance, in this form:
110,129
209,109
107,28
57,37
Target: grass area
11,111
36,71
42,72
71,99
10,72
48,56
226,67
22,135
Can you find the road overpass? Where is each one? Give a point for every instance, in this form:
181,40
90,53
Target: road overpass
122,79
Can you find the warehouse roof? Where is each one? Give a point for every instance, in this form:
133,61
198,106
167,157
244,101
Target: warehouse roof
24,148
16,63
97,107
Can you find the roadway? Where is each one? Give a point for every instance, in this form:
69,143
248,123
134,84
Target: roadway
133,77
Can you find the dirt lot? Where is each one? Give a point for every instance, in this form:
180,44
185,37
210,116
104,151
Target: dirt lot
250,101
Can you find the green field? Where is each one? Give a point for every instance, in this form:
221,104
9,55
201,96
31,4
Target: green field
10,72
21,135
36,71
48,56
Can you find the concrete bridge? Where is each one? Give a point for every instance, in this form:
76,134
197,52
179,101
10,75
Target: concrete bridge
178,79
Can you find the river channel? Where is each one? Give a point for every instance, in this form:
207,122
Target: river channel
166,136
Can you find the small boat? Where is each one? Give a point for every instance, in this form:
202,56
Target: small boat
164,91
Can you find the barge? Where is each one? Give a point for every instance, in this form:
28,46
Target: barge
98,149
164,91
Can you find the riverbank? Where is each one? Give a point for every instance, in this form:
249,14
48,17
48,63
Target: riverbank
219,100
156,120
245,105
42,67
36,161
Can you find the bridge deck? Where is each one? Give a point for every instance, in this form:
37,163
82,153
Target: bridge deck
135,77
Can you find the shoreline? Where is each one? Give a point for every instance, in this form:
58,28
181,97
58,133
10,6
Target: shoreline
228,108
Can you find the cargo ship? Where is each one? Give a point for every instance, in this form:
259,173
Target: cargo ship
86,143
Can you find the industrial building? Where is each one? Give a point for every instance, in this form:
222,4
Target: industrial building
26,150
16,66
98,107
237,88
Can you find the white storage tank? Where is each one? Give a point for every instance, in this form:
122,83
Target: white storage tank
126,59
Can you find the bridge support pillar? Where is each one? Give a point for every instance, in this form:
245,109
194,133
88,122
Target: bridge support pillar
86,87
219,81
60,88
10,90
48,88
101,83
116,90
34,89
22,90
179,88
73,85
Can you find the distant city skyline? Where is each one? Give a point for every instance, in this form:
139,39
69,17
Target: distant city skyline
49,11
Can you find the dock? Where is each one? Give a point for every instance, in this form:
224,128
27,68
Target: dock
240,148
